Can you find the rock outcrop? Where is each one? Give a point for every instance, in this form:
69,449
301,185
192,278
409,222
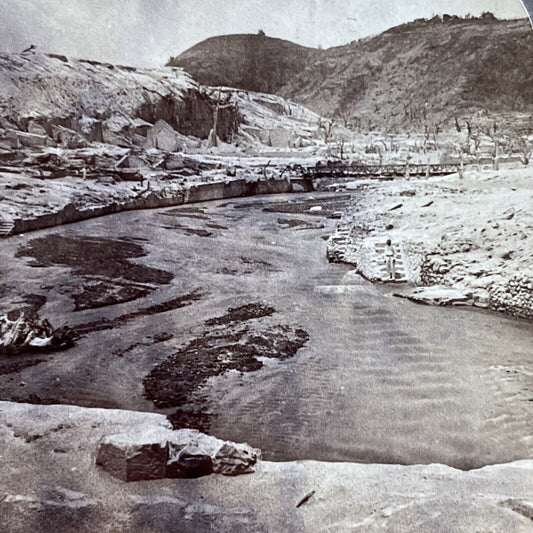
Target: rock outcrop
72,102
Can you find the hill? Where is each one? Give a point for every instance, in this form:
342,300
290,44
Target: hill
251,62
419,75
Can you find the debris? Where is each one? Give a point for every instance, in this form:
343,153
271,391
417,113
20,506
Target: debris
28,333
305,499
397,206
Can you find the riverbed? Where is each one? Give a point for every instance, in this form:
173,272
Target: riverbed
374,378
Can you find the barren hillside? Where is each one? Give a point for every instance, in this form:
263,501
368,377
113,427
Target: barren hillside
420,74
250,62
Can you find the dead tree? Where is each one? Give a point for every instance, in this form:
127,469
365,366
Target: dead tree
496,138
327,129
526,151
212,139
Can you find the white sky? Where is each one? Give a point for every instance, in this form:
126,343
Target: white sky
148,32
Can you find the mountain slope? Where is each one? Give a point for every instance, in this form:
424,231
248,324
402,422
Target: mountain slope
252,62
420,74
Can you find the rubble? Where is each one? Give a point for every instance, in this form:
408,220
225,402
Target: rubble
23,332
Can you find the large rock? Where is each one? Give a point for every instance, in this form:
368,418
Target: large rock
227,458
163,137
135,456
156,453
29,139
233,459
436,295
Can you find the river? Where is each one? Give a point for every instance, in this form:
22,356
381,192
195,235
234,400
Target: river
380,379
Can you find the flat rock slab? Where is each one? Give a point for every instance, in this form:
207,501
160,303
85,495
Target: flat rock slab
436,295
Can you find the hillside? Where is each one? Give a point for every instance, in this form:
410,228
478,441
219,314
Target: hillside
53,100
420,74
251,62
101,101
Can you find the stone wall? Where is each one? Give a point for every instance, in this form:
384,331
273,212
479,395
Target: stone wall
164,198
433,270
514,296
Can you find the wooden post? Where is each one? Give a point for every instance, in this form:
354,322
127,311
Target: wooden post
462,169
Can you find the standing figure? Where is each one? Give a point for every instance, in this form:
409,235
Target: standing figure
391,260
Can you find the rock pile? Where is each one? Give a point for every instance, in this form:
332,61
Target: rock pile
157,453
514,296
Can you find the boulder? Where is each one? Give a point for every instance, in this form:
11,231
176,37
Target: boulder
30,139
233,459
69,138
134,161
162,136
156,453
10,138
36,128
188,462
436,295
279,137
226,458
138,455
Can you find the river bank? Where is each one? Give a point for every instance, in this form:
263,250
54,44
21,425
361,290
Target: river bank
49,482
30,201
471,238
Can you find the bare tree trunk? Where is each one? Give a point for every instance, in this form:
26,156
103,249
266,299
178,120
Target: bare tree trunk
212,139
496,155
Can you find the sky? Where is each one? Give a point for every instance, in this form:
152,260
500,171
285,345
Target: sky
148,32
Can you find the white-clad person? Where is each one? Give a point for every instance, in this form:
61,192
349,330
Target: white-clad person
391,260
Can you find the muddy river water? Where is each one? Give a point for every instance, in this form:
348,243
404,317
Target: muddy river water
379,379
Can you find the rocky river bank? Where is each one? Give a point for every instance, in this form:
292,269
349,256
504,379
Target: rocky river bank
468,240
50,482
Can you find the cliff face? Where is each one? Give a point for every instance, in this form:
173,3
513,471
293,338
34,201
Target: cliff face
43,91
